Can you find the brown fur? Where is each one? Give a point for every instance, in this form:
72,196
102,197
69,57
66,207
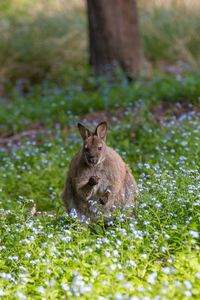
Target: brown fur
97,173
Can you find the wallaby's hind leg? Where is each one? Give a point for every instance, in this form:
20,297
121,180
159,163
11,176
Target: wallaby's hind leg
67,195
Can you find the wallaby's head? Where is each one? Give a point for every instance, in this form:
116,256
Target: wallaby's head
94,146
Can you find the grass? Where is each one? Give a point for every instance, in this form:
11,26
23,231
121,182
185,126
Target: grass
170,31
64,105
154,256
47,40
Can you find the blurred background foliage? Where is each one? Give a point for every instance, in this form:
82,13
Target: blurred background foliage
47,39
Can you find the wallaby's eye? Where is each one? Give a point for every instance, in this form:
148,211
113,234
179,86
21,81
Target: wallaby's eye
99,148
86,149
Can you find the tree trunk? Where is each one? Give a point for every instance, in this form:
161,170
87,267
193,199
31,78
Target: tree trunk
114,37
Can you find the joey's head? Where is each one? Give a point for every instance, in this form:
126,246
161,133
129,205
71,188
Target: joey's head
94,146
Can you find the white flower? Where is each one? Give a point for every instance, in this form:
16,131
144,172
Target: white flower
78,281
197,275
20,295
131,263
194,234
182,157
166,270
107,254
94,273
112,267
85,289
184,143
41,290
5,275
65,286
164,249
106,240
127,285
110,223
73,213
2,293
177,283
165,282
151,278
118,296
187,284
145,222
120,276
188,293
69,252
115,253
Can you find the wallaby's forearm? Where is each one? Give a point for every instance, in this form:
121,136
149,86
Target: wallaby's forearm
86,191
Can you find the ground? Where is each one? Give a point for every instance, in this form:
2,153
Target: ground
155,126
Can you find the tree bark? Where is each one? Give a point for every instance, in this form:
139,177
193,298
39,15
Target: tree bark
114,37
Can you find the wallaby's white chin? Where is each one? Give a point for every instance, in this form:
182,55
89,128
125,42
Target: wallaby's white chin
92,161
96,162
92,164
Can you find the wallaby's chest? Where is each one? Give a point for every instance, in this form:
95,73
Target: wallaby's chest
103,183
102,186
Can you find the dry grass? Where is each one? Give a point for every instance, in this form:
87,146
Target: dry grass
169,4
170,30
41,39
47,38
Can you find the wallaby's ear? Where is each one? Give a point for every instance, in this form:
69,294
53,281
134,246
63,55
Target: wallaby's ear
85,132
101,130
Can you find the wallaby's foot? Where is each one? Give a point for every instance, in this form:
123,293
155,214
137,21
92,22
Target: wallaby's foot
104,199
93,180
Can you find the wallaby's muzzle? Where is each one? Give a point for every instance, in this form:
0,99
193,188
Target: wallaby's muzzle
92,160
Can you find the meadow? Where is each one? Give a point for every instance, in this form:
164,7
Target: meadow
154,123
45,253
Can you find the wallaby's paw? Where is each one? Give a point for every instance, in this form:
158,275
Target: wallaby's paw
103,200
94,180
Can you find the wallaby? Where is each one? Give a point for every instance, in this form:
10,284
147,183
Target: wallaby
98,180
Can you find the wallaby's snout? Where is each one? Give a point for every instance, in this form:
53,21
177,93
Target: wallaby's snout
92,160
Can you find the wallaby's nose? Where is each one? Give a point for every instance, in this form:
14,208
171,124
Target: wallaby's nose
91,159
